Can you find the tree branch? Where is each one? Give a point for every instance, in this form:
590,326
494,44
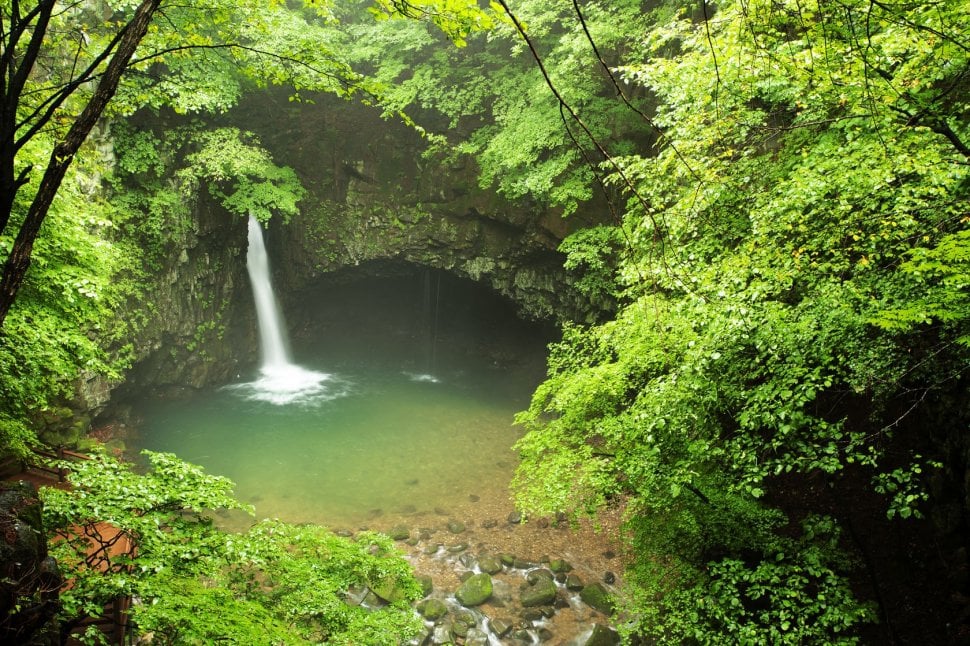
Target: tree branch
564,105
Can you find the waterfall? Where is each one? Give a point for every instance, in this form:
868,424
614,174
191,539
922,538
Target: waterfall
281,381
272,339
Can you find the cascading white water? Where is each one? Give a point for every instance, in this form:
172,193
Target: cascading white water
272,342
281,381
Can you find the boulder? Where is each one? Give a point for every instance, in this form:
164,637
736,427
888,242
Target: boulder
426,583
500,627
490,564
559,565
475,591
456,526
389,590
540,573
574,583
432,609
597,597
539,593
442,634
602,636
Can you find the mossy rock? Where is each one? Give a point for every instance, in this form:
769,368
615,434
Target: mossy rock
540,593
456,526
432,609
602,636
540,573
559,565
475,591
389,590
490,564
426,583
597,597
501,627
574,583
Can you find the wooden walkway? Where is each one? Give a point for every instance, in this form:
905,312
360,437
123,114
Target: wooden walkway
105,543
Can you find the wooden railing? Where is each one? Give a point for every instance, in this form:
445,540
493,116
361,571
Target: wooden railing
61,454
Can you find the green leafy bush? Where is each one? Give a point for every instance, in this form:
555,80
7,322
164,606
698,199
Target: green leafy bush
194,583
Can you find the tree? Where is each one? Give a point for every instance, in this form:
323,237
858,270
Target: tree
807,151
152,536
195,59
488,101
24,35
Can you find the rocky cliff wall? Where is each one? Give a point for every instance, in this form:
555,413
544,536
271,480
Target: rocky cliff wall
198,314
376,195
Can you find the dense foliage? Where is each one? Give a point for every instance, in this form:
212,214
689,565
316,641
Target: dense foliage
780,195
151,536
792,292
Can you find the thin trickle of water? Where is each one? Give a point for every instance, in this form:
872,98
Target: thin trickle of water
280,381
432,303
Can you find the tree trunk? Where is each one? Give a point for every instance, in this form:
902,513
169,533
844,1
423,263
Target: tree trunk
18,261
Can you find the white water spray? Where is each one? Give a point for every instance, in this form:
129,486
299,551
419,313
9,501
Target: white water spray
281,381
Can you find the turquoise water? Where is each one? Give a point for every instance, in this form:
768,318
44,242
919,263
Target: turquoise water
391,436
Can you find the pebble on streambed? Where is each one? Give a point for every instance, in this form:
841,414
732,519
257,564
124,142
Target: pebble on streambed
505,596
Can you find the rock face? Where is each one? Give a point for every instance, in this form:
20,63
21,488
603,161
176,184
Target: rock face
30,578
198,325
199,321
200,310
375,196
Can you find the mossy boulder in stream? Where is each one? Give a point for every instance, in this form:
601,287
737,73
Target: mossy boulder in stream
540,591
602,636
597,597
432,609
475,590
490,564
389,590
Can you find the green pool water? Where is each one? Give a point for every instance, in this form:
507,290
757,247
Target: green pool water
395,431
